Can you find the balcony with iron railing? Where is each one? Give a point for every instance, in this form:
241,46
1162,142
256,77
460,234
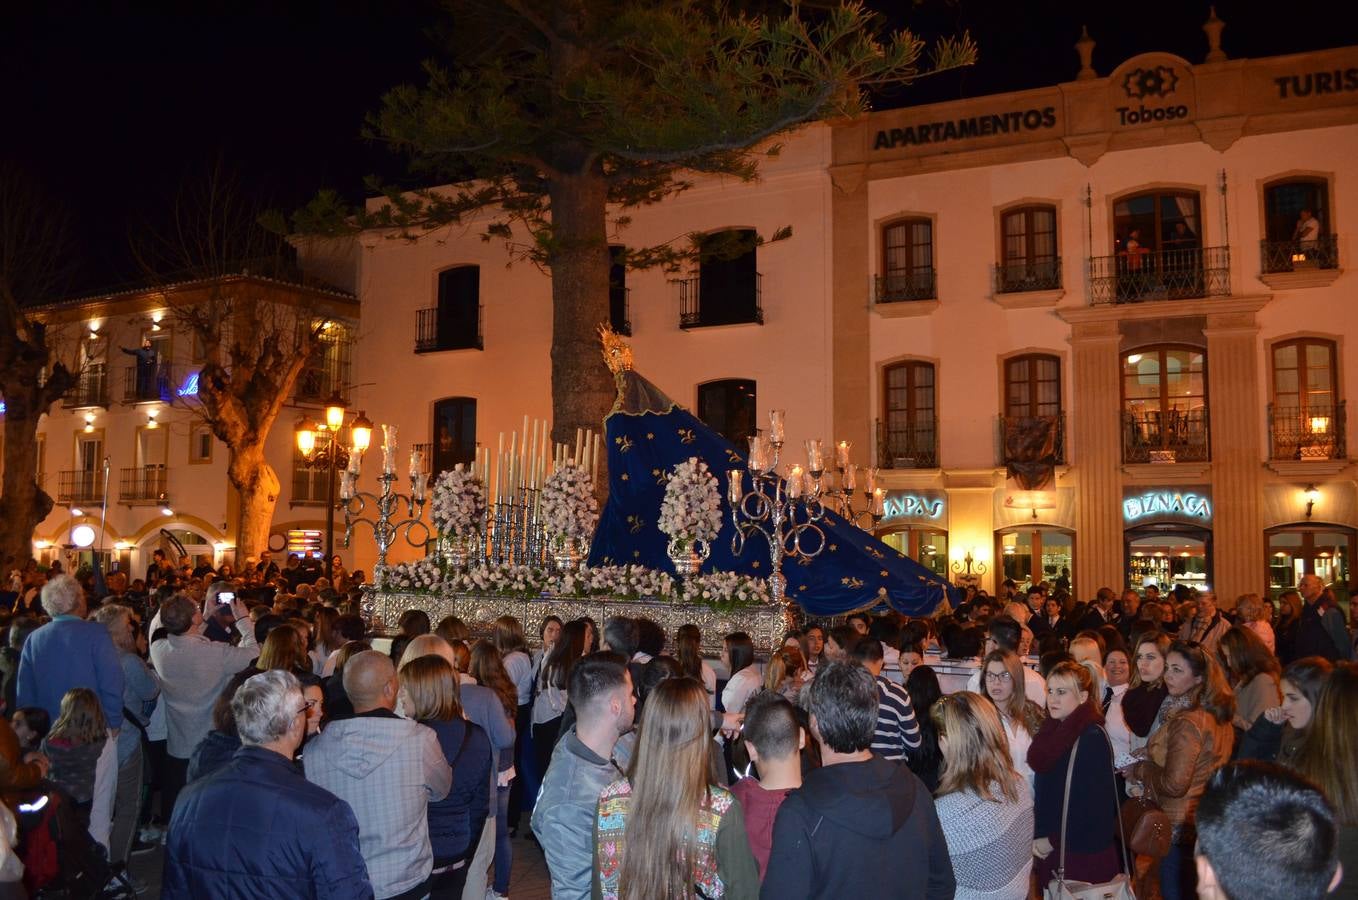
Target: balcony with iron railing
155,384
90,389
1172,436
1317,432
1029,439
908,445
905,287
144,484
725,305
1299,256
434,333
80,486
1143,275
1022,277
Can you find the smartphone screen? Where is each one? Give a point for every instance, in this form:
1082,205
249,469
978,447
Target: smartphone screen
226,596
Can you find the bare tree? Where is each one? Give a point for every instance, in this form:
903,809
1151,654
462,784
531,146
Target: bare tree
32,249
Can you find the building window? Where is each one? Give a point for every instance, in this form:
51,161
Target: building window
907,262
1306,418
927,546
327,373
726,290
309,483
1297,229
200,444
1033,426
619,314
907,434
1164,405
454,433
455,323
1031,556
1297,550
1030,262
729,407
1158,252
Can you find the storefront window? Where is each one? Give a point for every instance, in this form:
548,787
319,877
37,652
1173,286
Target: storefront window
927,546
1167,556
1300,550
1034,555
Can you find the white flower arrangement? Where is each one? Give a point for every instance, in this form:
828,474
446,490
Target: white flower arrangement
420,576
457,503
569,507
691,510
725,591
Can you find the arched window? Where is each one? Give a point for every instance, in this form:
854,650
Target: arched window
1033,425
729,408
1297,228
907,435
1030,262
726,289
454,433
907,261
455,323
1306,418
1164,405
1158,252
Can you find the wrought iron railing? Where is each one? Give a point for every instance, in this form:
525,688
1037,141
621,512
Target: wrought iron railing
80,486
1166,436
1011,451
430,337
90,389
1317,432
1016,277
328,377
1290,256
1160,275
906,286
729,307
146,484
154,385
908,445
620,309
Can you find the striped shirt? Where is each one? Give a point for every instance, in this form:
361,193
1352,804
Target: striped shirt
897,729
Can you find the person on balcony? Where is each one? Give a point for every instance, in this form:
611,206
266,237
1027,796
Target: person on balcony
146,369
1307,233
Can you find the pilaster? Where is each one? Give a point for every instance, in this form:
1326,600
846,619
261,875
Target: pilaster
1096,452
851,358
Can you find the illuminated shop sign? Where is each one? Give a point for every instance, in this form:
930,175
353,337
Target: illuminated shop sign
898,506
1166,503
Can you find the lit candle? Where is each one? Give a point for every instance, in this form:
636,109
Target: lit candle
842,453
417,463
849,481
776,417
755,461
794,482
734,487
872,480
878,502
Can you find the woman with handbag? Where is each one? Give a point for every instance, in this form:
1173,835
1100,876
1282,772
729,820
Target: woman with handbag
1074,790
1194,741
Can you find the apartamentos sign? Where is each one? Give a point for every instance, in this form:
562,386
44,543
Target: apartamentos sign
1012,122
1162,504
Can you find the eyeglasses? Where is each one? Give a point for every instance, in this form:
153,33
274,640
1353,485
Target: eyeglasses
307,707
999,677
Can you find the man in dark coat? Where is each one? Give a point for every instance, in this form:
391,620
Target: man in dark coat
257,827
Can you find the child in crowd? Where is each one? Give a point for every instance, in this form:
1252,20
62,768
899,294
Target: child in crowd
74,744
774,741
31,724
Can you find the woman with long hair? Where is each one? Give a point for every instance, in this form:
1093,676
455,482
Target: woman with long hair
813,646
1073,726
1146,693
787,673
1194,741
451,628
326,641
507,635
984,806
737,654
1327,758
1002,684
429,693
926,762
664,832
1252,672
1279,734
688,649
411,624
549,632
1285,632
489,672
550,701
285,649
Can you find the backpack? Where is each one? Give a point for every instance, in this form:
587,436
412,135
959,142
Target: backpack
61,860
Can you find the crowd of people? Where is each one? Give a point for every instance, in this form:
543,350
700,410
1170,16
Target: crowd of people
254,726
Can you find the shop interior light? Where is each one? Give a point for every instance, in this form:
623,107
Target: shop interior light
1134,359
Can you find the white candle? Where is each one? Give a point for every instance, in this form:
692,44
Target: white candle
533,458
594,466
417,462
850,478
346,485
776,419
794,482
842,453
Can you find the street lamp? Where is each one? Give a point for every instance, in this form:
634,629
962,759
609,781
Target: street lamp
319,445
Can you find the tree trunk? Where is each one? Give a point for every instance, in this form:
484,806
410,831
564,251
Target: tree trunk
257,485
23,504
582,388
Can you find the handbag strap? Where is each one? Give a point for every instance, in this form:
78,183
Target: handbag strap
1117,805
1065,808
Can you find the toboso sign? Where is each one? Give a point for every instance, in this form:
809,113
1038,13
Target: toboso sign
1154,504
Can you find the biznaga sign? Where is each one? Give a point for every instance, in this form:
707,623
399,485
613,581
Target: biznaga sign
1166,503
965,129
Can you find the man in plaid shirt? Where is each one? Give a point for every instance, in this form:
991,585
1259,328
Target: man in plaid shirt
388,769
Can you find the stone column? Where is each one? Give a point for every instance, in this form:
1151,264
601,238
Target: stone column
1096,456
1235,413
851,359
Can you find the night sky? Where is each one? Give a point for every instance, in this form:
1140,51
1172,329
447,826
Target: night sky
108,107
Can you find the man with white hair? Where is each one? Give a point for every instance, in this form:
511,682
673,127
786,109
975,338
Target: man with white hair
66,653
256,827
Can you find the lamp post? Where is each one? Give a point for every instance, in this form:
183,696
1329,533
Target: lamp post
320,445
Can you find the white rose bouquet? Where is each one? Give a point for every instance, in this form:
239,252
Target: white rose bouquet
457,502
691,510
569,508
